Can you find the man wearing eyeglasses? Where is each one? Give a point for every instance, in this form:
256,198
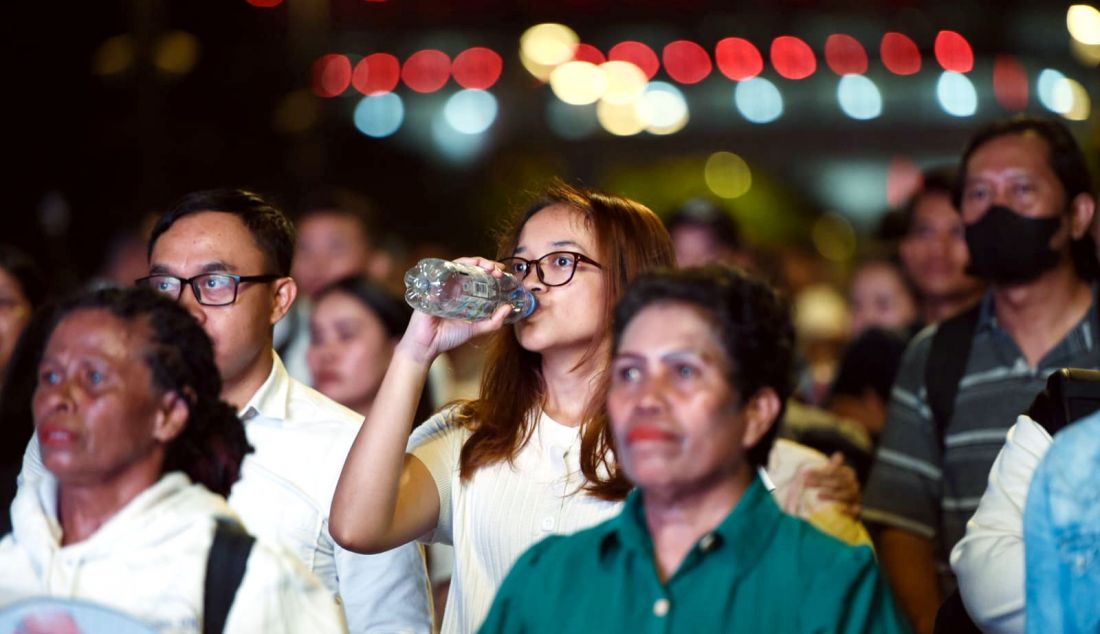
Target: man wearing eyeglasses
225,256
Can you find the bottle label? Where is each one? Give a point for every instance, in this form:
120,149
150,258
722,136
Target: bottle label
477,288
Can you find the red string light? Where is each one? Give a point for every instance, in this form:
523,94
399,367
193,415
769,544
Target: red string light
588,53
376,73
792,58
686,62
738,58
477,68
426,71
331,75
1010,83
638,54
899,54
953,52
845,55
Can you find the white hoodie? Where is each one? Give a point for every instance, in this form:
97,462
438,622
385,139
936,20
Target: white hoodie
149,561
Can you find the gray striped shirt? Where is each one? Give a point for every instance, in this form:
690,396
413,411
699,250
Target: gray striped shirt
916,486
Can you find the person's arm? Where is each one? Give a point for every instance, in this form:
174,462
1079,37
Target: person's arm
910,565
989,560
385,498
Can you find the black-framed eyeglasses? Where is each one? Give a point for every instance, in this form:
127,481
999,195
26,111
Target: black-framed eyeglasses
553,269
210,289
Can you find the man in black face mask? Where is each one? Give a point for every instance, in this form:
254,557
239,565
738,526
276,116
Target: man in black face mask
1026,205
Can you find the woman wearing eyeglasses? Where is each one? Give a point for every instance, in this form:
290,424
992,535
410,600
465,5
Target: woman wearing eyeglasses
532,456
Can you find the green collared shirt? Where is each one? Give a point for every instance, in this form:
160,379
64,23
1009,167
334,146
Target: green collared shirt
759,571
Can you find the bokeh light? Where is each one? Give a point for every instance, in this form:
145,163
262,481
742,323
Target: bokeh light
686,62
1010,83
625,82
859,97
845,55
953,52
758,100
620,119
379,116
792,58
331,75
454,146
1053,91
1080,104
738,58
114,56
470,111
477,68
1087,54
265,4
727,175
376,73
296,113
578,83
426,71
903,179
1083,23
544,46
589,53
638,54
900,54
834,237
664,108
956,94
176,52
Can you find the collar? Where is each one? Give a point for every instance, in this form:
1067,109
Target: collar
742,535
271,399
987,318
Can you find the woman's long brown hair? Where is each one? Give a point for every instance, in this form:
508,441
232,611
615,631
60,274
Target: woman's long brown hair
631,239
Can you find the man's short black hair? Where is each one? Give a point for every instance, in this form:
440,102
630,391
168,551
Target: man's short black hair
710,216
343,202
270,228
1066,160
751,320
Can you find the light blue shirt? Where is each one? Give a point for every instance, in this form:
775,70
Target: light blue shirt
1062,534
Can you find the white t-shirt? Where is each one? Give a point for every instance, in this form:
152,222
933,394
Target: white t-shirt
503,509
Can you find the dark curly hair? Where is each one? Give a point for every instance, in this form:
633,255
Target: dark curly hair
752,321
180,357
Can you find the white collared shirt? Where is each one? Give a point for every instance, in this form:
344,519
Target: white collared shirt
301,439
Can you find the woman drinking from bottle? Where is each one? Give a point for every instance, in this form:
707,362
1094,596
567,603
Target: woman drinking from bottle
532,456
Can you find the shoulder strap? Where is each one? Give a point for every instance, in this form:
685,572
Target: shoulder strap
946,365
225,567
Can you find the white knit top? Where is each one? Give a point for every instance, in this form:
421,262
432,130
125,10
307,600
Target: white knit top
504,508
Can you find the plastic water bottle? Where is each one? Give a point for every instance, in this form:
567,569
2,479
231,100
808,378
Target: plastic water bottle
462,291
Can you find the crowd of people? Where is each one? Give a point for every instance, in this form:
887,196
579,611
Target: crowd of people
689,433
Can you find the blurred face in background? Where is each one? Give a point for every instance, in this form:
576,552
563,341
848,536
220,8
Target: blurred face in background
15,312
934,251
330,246
349,350
880,298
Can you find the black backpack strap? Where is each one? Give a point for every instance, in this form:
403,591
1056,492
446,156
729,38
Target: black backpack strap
947,359
225,567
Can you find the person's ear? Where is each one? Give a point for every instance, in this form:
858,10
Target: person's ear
285,291
1082,209
761,412
171,417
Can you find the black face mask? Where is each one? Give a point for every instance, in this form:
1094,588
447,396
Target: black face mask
1007,248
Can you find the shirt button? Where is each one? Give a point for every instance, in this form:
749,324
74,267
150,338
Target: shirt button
660,607
548,524
707,542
